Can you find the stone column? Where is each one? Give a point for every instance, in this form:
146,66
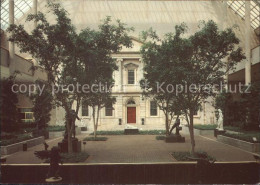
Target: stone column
11,44
247,43
119,87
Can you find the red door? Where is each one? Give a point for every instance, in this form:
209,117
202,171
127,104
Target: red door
131,115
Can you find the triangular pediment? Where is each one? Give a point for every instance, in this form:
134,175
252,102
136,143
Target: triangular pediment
135,47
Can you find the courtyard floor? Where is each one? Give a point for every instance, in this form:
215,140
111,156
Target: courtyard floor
138,149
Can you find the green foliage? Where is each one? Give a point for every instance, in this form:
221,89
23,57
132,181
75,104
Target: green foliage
95,139
121,132
243,112
72,157
42,106
160,137
184,156
205,127
71,58
55,128
9,113
12,139
152,132
112,132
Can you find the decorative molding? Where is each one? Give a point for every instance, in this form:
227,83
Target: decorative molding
131,66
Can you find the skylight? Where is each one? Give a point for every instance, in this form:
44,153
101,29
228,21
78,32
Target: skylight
238,7
20,8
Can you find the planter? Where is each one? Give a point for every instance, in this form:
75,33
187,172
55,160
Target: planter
251,147
9,149
218,132
174,139
185,130
56,134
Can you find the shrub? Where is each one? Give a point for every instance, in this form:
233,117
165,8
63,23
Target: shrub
9,114
55,128
186,156
205,127
112,132
16,139
95,139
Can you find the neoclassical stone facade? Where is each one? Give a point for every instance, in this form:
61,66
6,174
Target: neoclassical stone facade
131,108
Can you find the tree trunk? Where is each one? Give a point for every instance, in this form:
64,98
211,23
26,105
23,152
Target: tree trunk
166,123
192,133
94,121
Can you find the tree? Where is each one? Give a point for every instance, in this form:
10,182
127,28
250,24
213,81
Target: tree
68,57
100,45
206,67
162,60
9,113
42,106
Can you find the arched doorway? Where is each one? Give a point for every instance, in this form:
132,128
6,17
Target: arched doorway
131,112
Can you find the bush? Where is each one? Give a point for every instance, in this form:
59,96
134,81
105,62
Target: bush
95,139
9,114
72,157
56,128
205,127
112,132
184,156
16,139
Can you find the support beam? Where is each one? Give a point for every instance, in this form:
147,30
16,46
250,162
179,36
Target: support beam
247,44
35,6
11,44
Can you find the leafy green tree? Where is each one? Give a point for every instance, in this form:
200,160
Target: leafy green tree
163,59
70,58
206,67
9,113
42,106
101,43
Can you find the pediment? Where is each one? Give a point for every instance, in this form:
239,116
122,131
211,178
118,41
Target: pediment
135,47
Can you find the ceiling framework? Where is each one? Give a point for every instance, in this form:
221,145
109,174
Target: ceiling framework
238,7
21,7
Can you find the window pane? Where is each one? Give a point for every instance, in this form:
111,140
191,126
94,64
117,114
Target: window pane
153,108
29,115
84,110
131,76
109,110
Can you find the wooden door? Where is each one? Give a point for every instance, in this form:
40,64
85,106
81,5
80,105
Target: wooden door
131,114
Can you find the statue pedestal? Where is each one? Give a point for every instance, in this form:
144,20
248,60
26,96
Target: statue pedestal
76,145
218,132
173,138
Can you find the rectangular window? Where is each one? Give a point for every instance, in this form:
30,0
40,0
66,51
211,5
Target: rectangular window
84,109
109,110
153,108
26,114
131,76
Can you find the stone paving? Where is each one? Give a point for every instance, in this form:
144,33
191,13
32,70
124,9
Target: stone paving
139,149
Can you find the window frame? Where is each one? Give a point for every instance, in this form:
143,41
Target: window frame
133,70
152,108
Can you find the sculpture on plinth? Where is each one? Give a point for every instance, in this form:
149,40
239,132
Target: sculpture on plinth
220,120
175,138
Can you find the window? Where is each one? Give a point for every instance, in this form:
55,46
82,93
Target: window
84,109
26,114
131,76
109,110
153,108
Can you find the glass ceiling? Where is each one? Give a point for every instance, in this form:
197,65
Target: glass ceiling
238,7
20,8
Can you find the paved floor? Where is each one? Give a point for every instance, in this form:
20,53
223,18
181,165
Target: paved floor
139,148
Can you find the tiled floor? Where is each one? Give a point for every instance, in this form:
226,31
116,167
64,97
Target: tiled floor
140,149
